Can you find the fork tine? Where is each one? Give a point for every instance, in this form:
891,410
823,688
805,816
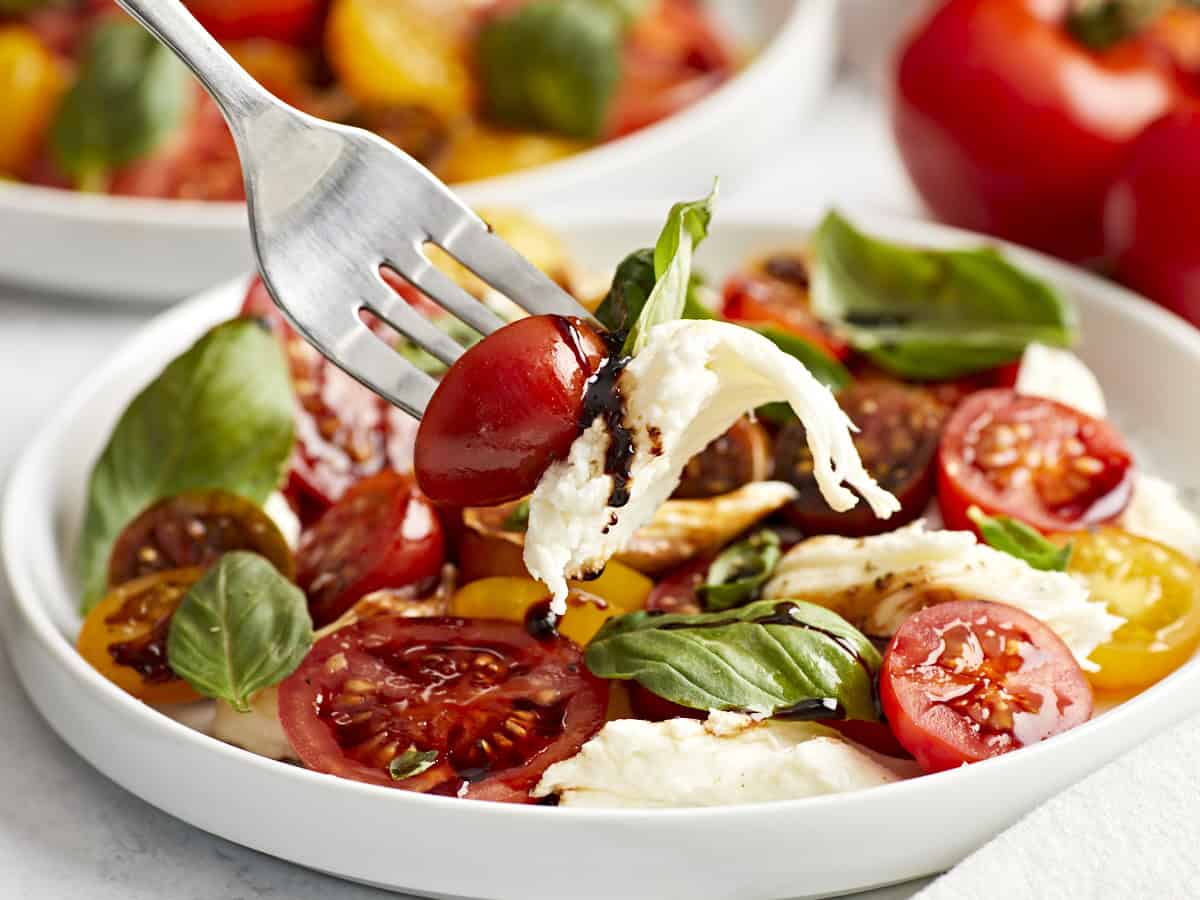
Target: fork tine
365,357
398,313
415,267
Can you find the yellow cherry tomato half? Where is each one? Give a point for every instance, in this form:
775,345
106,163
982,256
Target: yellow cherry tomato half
31,85
477,151
1155,588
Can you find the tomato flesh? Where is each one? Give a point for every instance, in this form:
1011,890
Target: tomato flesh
498,705
1036,460
969,680
738,457
281,20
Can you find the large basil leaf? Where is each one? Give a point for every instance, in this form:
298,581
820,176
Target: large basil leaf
1019,540
632,284
932,314
131,95
219,416
780,658
553,65
241,628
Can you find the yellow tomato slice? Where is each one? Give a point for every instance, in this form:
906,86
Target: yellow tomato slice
480,152
1155,589
31,84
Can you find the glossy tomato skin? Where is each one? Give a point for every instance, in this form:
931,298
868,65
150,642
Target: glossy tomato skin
1009,126
1152,217
381,534
506,410
1032,459
294,21
968,680
497,704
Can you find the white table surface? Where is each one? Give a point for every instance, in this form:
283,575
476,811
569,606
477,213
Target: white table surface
68,832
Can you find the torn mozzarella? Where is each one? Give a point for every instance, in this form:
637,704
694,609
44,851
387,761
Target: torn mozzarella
258,730
280,512
1060,375
1156,512
878,582
729,759
686,388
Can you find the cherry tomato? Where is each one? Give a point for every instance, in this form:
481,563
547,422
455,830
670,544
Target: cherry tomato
1032,459
984,87
679,591
506,410
477,151
1155,589
1152,217
31,83
969,680
872,735
899,428
739,456
195,529
124,637
381,534
295,21
497,705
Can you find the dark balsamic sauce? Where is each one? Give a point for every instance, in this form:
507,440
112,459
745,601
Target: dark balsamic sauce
540,622
814,710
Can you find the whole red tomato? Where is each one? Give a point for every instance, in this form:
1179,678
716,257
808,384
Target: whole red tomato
1009,125
1152,218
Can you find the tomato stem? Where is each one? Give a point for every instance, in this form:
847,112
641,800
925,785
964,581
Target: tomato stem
1099,24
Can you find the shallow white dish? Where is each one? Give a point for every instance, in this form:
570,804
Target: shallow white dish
135,250
443,847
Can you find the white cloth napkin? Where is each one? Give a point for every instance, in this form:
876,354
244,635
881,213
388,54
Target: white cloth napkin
1130,830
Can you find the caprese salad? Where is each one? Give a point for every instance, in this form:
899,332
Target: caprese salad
471,88
859,515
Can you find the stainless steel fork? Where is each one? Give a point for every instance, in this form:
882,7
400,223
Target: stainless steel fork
329,205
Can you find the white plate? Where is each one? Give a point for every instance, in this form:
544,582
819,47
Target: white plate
130,249
443,847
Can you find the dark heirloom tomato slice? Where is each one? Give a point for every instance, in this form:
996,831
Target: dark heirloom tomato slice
679,590
124,637
739,456
194,529
1044,463
968,680
899,428
381,534
508,408
496,704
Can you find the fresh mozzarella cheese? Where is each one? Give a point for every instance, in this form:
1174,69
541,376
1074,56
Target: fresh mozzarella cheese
1156,512
280,512
729,759
258,730
1060,375
877,582
686,388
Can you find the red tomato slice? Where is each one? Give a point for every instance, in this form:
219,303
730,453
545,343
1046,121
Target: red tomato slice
509,407
679,591
1033,459
496,704
280,20
381,534
968,680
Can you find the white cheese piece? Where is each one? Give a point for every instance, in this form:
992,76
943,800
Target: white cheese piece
877,582
1060,375
258,731
1156,512
280,512
686,388
729,759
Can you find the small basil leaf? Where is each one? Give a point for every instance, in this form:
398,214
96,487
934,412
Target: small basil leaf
459,330
931,314
518,519
687,226
411,762
632,284
241,628
131,95
735,577
219,416
553,65
1019,540
768,657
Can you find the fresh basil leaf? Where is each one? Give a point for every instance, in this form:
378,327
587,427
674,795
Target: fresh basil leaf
219,416
411,762
426,361
131,95
553,65
687,226
632,284
241,628
932,314
518,519
735,577
771,657
1019,540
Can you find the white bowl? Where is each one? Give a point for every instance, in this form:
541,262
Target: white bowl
128,249
444,847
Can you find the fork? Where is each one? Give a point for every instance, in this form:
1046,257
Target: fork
329,205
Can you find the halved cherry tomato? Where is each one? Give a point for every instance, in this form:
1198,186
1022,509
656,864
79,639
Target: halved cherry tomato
477,151
506,410
679,591
31,83
194,529
281,20
739,456
1032,459
497,705
381,534
872,735
969,680
124,637
899,428
1155,589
